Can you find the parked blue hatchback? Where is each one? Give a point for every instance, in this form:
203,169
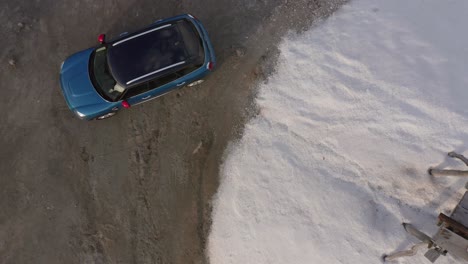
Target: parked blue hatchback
137,67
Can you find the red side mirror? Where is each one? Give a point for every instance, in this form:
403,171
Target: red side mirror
102,38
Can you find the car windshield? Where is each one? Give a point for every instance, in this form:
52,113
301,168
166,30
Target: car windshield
103,81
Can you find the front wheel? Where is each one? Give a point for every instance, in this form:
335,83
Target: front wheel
105,116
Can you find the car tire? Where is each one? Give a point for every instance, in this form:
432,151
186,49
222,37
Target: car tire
105,116
197,82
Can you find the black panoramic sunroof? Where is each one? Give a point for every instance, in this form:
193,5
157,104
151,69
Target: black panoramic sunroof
154,51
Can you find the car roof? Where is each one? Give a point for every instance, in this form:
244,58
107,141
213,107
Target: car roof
152,52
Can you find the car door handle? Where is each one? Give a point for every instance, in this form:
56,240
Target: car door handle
180,84
144,98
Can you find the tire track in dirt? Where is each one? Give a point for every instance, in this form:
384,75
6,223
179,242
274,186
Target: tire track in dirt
203,208
145,229
89,236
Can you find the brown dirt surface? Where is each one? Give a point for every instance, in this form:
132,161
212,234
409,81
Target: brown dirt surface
135,188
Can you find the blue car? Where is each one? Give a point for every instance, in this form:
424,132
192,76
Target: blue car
136,67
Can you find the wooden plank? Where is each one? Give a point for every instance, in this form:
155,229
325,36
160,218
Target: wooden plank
455,245
437,172
464,201
460,214
456,226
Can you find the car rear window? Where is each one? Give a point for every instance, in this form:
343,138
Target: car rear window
177,44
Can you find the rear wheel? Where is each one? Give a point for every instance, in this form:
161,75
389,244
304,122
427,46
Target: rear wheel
105,116
197,82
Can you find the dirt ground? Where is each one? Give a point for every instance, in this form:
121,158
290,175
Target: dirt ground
135,188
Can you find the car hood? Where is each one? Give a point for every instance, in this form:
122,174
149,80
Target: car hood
76,84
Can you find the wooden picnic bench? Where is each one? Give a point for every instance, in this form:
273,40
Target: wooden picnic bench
452,235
